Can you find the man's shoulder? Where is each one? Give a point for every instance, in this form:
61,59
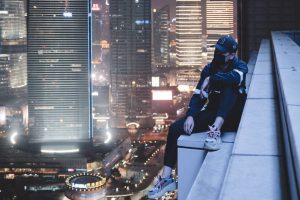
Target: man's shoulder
207,66
238,62
206,70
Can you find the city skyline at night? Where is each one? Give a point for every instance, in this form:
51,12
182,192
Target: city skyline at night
94,92
112,98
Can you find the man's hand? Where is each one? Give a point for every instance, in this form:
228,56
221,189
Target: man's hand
188,125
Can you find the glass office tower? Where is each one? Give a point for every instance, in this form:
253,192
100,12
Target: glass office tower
219,21
59,71
130,27
161,20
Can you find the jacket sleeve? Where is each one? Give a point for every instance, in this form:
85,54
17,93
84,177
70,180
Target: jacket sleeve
196,102
233,77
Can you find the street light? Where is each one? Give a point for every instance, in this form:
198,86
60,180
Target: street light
13,137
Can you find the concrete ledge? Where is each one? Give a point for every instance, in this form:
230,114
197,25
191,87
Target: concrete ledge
254,177
251,65
263,67
262,86
265,56
208,182
255,169
287,68
290,85
196,140
293,119
259,129
190,158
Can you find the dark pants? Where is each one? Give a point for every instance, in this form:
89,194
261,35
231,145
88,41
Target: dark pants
228,104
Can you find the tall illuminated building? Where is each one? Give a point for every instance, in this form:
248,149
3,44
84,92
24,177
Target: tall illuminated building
59,97
188,40
18,71
220,20
13,42
188,33
12,20
161,21
4,76
130,66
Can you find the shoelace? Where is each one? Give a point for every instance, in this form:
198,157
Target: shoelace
213,132
157,184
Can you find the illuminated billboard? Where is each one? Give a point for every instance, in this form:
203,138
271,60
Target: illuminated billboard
155,81
95,7
162,95
184,88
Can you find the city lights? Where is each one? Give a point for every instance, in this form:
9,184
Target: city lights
95,93
140,22
184,88
133,124
60,151
103,88
79,185
108,134
95,7
4,12
67,14
13,137
2,116
162,95
155,81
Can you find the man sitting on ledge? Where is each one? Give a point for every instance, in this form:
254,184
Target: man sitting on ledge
216,105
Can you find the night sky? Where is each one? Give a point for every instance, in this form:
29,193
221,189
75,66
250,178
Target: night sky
157,4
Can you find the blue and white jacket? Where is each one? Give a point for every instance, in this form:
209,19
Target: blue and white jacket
234,75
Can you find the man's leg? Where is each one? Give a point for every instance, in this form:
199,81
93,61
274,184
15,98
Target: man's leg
226,102
234,117
228,99
202,121
166,182
175,130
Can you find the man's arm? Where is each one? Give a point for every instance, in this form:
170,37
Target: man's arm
197,101
233,77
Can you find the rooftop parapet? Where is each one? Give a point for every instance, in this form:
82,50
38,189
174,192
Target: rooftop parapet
286,52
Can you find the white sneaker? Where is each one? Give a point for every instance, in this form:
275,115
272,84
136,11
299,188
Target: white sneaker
162,186
213,140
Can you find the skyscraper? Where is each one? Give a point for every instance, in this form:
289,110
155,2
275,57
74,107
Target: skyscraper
12,20
13,42
188,33
4,75
161,21
188,41
130,27
220,20
59,71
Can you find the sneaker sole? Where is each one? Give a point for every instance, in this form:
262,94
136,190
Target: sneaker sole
169,188
209,148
